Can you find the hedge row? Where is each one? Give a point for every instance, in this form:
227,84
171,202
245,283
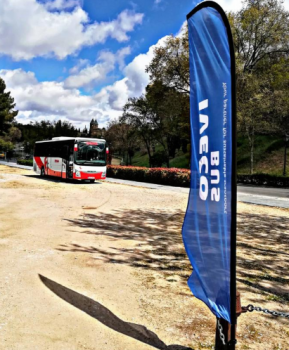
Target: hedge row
162,176
28,162
264,180
181,177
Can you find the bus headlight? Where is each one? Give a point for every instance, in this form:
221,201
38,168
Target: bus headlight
103,174
77,173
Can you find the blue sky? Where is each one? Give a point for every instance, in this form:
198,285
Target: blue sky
81,59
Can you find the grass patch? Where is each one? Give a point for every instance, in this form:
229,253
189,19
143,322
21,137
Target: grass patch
268,156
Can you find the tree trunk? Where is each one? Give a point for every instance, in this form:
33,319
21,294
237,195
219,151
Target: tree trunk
123,157
166,150
149,154
285,156
251,138
252,158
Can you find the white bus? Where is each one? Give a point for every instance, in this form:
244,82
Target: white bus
71,158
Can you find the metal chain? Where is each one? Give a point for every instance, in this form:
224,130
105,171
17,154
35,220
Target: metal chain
222,335
252,308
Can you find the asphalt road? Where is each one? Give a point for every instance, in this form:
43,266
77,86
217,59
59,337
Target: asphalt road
273,197
264,191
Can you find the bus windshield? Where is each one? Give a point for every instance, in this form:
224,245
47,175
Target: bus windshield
90,153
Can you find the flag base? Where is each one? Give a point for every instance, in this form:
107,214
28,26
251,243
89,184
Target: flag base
226,329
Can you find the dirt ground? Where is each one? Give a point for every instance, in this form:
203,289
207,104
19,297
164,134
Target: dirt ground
102,267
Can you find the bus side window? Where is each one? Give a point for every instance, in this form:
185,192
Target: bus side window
64,152
45,149
52,150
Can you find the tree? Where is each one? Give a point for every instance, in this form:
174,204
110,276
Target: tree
44,130
171,116
122,139
170,64
252,106
14,134
6,145
7,112
7,115
260,30
278,112
261,33
138,114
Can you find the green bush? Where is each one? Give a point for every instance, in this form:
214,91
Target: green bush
161,176
28,162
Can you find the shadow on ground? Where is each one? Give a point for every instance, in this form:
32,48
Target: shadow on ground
156,244
156,237
263,256
106,317
60,180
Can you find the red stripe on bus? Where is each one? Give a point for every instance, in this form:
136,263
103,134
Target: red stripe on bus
38,162
54,172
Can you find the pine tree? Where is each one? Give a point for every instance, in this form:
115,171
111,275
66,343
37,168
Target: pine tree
7,112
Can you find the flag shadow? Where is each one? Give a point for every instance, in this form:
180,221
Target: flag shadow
106,317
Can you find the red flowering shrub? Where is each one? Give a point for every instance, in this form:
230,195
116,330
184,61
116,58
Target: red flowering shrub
181,177
162,176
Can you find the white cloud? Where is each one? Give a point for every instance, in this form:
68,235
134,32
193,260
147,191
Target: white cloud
61,4
28,29
118,94
121,54
18,78
233,5
90,75
137,78
230,5
81,63
132,85
53,100
48,100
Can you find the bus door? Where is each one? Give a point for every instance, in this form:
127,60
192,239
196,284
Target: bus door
70,165
64,167
65,162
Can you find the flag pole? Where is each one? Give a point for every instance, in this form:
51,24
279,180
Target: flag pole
235,297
